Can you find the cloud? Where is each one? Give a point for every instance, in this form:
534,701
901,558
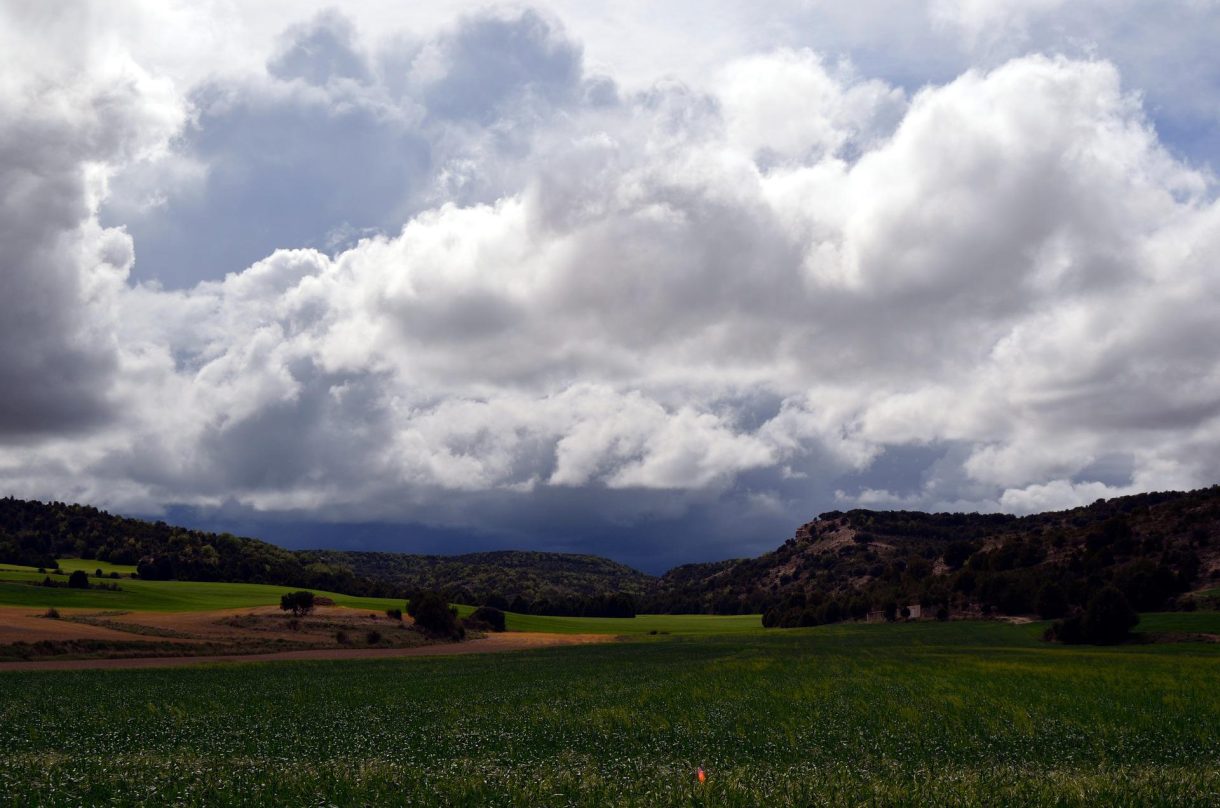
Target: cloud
65,127
668,305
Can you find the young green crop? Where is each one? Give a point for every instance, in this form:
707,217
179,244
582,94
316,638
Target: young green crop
947,714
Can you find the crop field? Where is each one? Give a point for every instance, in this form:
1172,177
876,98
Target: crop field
915,714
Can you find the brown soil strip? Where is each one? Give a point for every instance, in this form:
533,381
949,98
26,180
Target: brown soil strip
25,624
493,643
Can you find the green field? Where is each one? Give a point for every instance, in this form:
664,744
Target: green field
190,596
641,624
161,596
89,565
916,714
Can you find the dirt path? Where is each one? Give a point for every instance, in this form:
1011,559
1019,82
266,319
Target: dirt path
493,643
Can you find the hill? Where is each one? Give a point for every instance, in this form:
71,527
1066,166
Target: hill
546,583
35,534
1154,547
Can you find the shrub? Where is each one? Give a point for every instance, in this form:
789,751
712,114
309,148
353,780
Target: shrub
52,613
434,616
1109,618
114,575
1052,601
373,637
1069,631
489,616
299,603
394,614
942,613
342,638
155,568
78,580
97,573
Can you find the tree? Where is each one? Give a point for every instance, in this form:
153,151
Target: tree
433,614
299,603
1109,618
79,580
1052,601
488,616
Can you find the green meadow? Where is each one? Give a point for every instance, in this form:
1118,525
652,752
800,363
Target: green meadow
914,714
89,565
161,596
186,596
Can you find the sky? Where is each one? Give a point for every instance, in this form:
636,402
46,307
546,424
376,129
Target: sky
658,281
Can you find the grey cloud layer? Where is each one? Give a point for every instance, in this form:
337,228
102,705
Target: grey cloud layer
722,299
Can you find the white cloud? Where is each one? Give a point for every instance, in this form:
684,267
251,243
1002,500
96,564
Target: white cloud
774,277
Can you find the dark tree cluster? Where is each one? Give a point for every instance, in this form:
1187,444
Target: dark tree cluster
299,603
486,618
1108,620
616,605
434,616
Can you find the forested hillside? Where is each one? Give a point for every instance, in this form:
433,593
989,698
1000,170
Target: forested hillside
541,583
1153,547
37,533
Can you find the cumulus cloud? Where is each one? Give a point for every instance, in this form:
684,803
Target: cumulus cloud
734,298
64,128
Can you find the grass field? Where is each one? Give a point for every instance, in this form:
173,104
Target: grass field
917,714
641,624
89,565
163,596
188,596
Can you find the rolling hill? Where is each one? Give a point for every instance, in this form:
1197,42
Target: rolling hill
545,580
1154,547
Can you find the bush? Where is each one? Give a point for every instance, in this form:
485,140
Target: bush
1109,618
1052,601
299,603
394,614
78,580
491,617
342,638
1069,632
434,616
52,613
373,637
